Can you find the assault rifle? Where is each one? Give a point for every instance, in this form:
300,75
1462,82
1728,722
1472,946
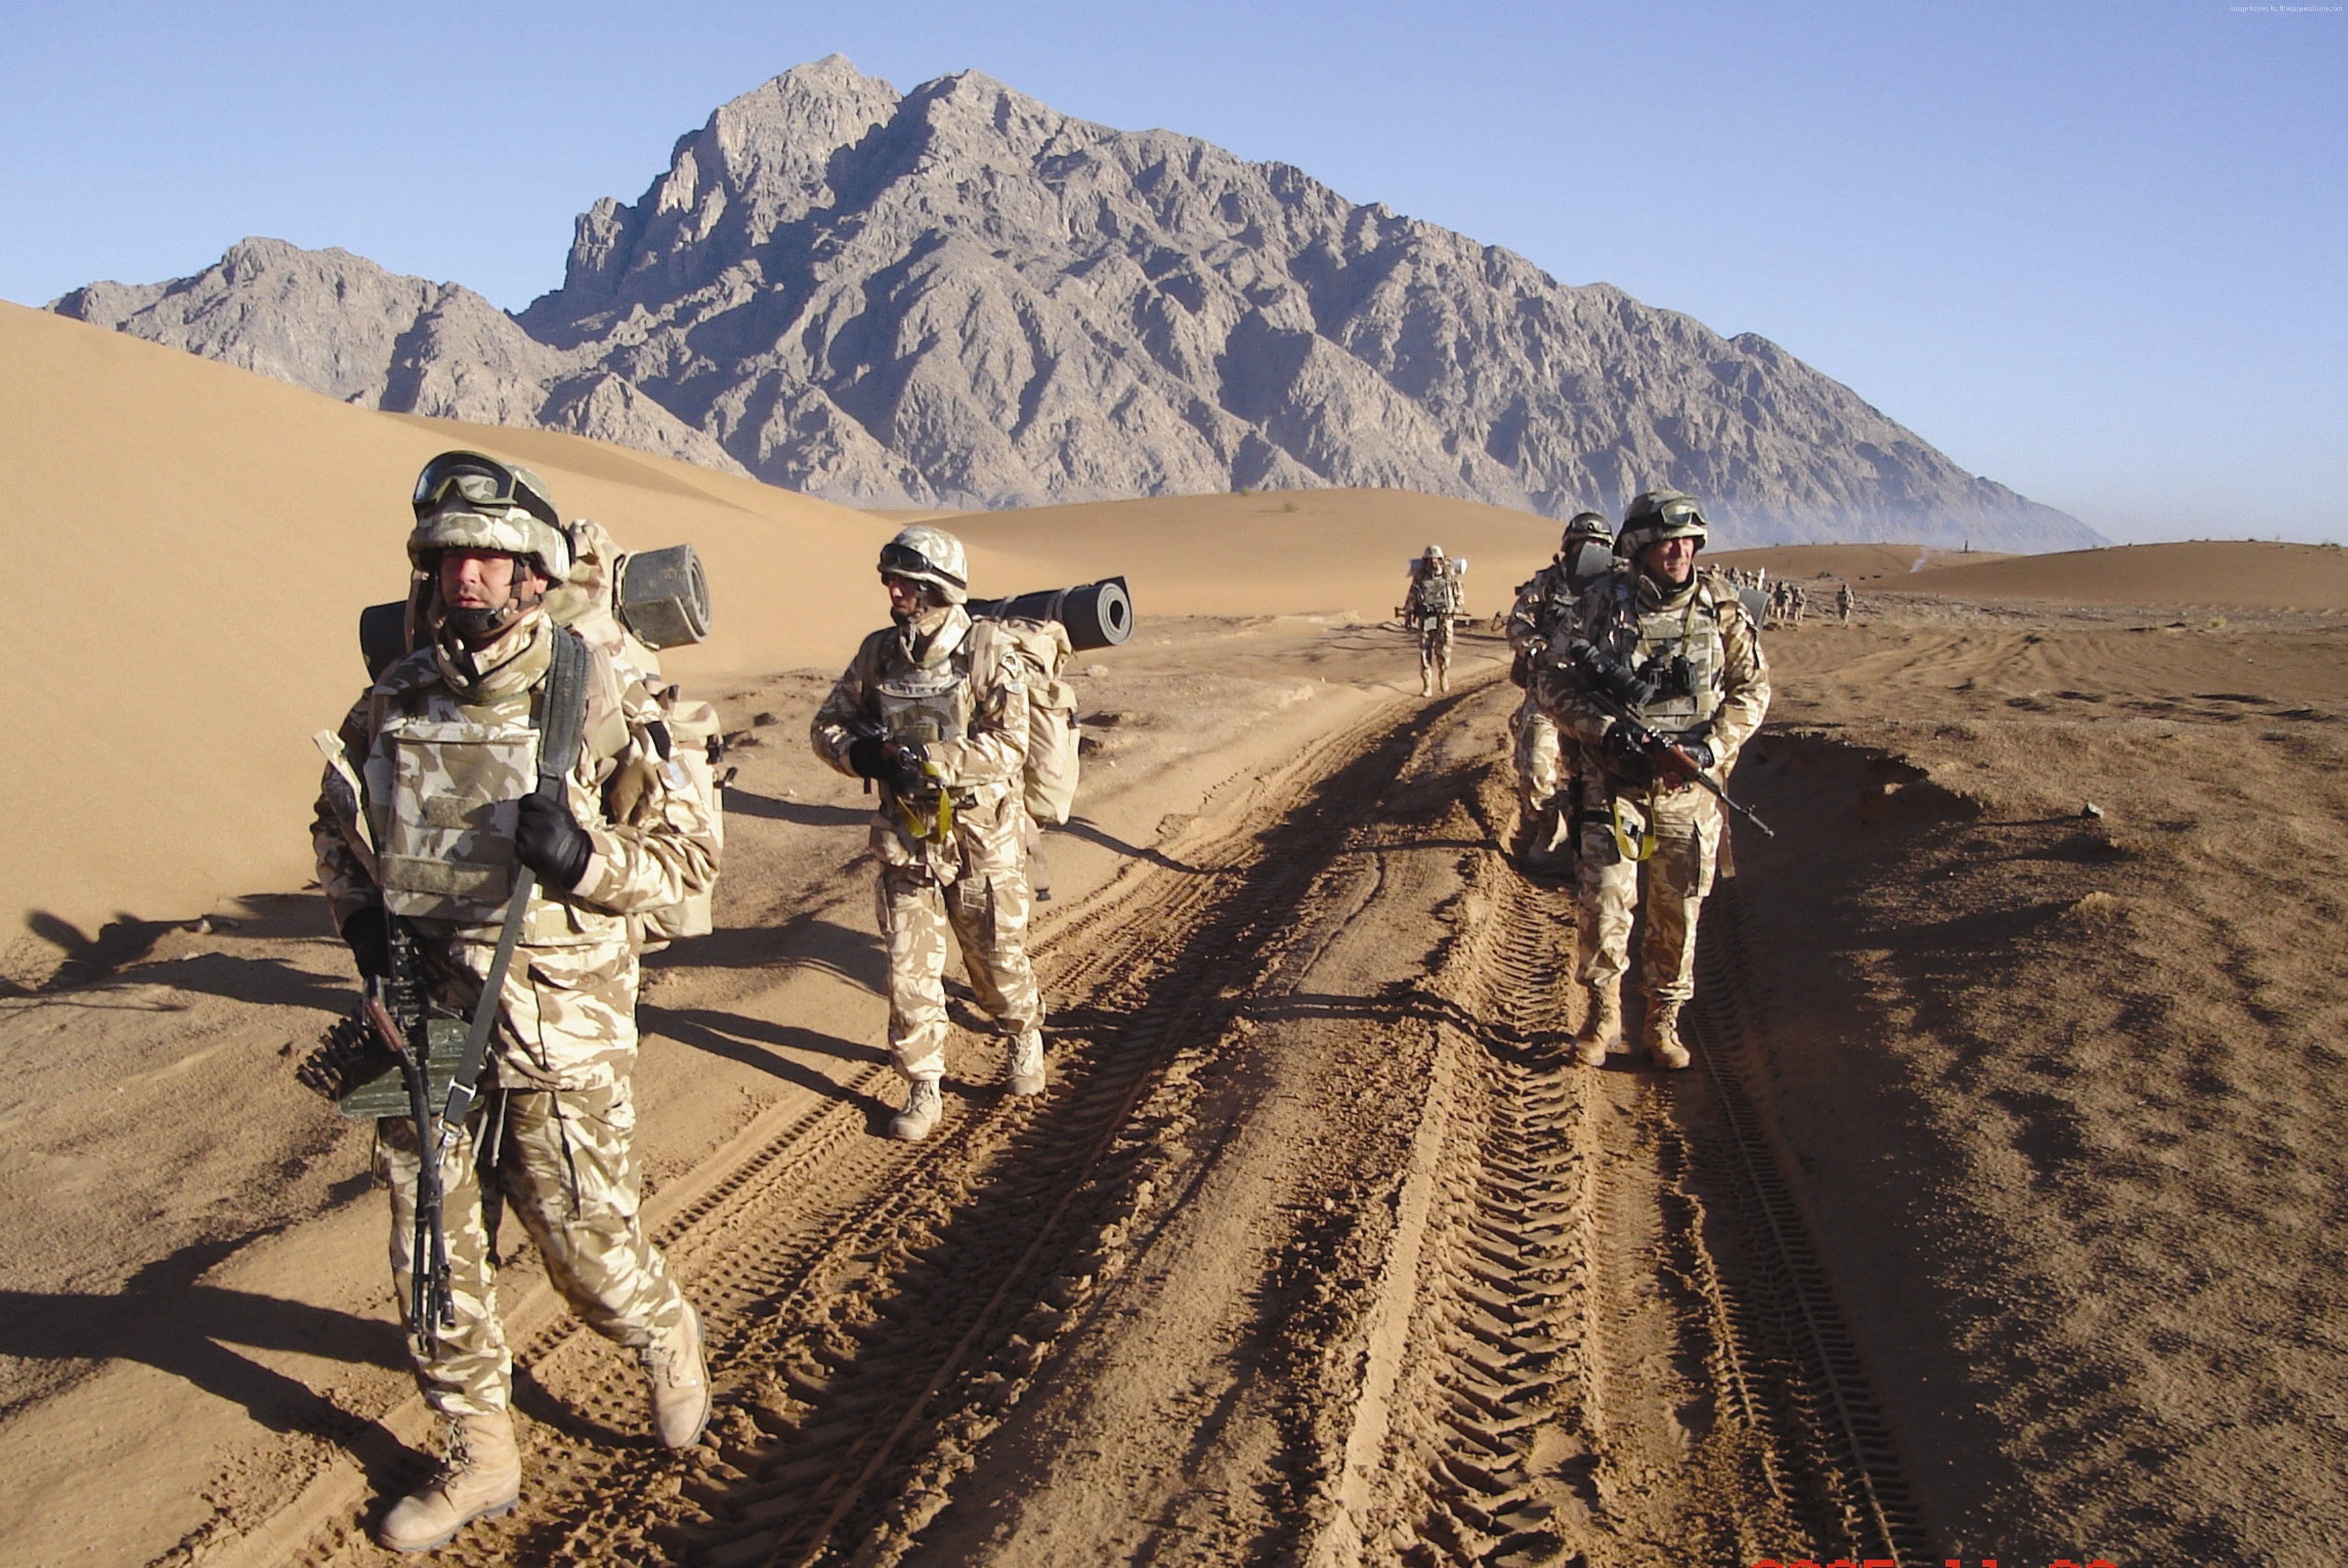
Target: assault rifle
1619,692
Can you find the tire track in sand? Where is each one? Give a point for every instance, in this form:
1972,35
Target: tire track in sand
1622,1348
848,1281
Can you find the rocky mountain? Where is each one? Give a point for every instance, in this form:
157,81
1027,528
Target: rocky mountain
338,323
959,297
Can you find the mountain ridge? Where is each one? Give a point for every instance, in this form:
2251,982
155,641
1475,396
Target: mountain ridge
959,297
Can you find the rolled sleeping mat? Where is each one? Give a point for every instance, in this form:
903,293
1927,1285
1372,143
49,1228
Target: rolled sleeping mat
663,597
1097,614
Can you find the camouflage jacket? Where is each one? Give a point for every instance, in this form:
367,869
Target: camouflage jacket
1543,603
1627,619
981,769
570,995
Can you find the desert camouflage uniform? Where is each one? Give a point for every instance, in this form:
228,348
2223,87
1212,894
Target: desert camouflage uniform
1542,605
1625,617
432,837
1434,598
974,882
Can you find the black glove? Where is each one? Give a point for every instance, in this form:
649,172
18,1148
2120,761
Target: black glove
866,755
367,933
1624,753
551,843
902,766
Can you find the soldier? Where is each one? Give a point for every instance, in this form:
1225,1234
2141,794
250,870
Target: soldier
1543,604
1842,603
1688,634
423,819
933,708
1434,598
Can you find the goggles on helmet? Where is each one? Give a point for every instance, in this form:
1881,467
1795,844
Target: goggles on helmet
480,482
903,560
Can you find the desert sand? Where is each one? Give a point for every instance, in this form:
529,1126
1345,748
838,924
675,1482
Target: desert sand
2000,1217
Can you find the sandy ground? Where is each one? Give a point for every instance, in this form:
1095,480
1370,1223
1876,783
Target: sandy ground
2001,1217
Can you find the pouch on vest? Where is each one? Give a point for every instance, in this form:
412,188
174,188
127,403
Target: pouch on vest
455,787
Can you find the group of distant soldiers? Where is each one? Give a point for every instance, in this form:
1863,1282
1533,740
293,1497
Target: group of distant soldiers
1642,678
1785,601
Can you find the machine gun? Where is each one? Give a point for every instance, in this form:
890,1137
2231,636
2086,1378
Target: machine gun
1619,692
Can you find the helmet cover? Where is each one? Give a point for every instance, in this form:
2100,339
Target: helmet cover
921,554
1657,515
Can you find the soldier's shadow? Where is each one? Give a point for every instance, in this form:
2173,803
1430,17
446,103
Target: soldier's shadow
164,1317
758,1043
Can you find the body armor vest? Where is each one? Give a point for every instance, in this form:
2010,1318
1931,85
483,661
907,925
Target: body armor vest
1657,638
446,793
1438,592
922,704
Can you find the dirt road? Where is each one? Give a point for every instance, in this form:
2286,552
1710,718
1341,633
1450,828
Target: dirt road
1960,1238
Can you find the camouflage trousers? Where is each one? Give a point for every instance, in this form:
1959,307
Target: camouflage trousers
566,1167
1686,824
1435,655
986,909
1540,774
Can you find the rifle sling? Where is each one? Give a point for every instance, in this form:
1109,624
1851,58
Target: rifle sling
565,721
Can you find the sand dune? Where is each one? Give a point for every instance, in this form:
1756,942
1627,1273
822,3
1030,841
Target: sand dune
189,545
2247,575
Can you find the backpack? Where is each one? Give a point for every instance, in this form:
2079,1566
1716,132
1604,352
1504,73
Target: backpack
1040,651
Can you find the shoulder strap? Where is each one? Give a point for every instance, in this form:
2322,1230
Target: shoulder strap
561,724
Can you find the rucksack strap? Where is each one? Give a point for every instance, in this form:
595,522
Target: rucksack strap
562,722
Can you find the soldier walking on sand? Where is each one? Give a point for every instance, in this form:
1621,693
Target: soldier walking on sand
423,820
1686,642
1842,603
1543,604
934,709
1433,601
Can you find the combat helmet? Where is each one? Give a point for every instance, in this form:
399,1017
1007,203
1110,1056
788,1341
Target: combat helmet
1657,515
465,501
1584,525
1432,552
931,555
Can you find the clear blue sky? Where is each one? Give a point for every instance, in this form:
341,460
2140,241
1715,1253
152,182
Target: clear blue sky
2094,251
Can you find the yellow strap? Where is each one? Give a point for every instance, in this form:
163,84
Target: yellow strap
1645,847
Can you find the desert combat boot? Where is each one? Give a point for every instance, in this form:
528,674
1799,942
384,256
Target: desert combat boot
675,1366
1663,1043
1027,1064
1601,1027
482,1480
923,1105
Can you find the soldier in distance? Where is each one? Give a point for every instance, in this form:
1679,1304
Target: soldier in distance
422,820
1709,688
1432,602
934,709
